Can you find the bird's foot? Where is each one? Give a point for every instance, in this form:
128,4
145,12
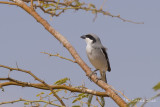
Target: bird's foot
94,72
98,79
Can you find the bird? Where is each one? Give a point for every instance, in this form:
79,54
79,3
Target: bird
97,55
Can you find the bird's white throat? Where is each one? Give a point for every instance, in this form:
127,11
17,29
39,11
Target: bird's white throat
88,41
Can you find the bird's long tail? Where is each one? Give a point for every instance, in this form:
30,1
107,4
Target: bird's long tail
103,76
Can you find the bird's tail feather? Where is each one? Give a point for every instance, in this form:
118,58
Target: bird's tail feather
103,76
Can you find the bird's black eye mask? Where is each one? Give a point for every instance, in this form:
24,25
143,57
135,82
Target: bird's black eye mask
91,37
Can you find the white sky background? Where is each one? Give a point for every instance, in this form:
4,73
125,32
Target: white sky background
134,49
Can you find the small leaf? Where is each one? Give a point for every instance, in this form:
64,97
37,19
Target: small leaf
50,93
26,103
102,101
37,95
80,96
56,91
91,5
77,99
42,93
156,87
76,106
77,2
65,91
41,2
133,102
62,81
90,96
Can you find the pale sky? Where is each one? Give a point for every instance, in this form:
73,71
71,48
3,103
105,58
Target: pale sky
133,49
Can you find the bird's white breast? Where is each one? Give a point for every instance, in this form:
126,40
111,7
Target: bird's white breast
96,58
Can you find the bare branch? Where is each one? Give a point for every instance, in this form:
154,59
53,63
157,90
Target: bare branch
42,86
36,78
31,101
5,2
68,5
73,52
98,100
59,56
32,4
146,101
110,92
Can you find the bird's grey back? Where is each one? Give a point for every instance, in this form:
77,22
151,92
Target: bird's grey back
98,43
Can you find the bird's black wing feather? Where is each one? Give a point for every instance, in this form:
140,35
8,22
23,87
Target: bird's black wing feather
106,55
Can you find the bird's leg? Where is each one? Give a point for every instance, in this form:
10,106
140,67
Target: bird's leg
98,79
94,72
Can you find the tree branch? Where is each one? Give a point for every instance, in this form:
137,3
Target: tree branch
110,92
67,6
36,78
31,101
82,6
59,56
42,86
5,2
146,101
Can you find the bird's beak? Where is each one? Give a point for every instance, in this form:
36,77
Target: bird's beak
83,36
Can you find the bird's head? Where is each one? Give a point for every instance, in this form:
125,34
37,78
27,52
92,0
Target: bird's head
91,38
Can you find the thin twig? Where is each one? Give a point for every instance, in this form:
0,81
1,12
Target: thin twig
104,1
112,94
146,101
36,78
86,103
32,4
59,56
98,100
31,101
83,6
5,2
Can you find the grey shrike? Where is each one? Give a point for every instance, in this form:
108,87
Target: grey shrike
97,54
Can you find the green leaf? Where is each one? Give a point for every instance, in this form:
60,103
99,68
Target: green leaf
102,101
37,95
156,87
45,5
62,81
90,96
56,91
77,2
80,96
76,106
133,102
40,94
26,103
91,5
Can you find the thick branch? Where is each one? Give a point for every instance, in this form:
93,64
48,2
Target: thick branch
73,52
42,86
